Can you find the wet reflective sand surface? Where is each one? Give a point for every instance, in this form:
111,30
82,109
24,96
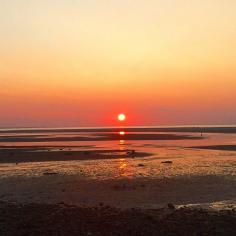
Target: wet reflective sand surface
122,169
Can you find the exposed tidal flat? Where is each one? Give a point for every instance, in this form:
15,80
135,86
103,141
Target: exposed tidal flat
147,181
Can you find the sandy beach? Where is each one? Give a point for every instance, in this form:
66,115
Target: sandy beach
99,177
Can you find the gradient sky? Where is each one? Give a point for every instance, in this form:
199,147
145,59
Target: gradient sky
80,62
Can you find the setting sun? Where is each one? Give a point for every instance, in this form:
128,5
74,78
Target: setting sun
121,117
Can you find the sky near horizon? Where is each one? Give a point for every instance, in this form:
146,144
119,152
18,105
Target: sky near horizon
80,63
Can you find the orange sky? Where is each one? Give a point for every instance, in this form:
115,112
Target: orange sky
79,63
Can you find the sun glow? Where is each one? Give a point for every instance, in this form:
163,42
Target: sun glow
121,117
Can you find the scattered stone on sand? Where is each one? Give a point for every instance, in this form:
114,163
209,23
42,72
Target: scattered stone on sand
167,162
131,153
171,206
141,165
50,173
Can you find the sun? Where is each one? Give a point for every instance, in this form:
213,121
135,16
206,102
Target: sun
121,117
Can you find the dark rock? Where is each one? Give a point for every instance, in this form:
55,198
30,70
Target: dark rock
50,173
131,153
171,206
166,162
141,165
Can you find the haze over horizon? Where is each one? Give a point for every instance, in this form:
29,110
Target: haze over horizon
80,63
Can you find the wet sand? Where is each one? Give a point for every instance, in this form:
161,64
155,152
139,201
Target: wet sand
52,187
146,176
218,147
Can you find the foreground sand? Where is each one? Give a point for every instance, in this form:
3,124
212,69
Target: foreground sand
64,219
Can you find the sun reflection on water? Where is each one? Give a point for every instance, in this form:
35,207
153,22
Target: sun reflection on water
122,133
123,167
